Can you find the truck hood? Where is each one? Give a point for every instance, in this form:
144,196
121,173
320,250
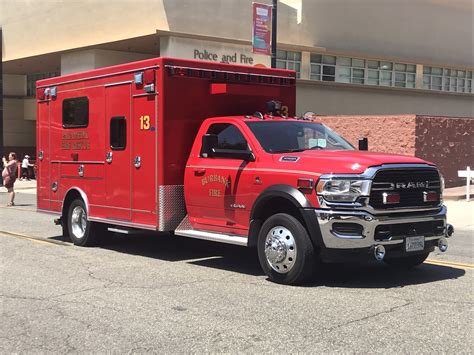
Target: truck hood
340,161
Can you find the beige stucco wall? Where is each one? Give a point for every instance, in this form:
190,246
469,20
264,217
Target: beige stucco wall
77,61
432,31
14,85
18,131
360,100
32,27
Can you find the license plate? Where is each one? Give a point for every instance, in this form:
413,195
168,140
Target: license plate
414,243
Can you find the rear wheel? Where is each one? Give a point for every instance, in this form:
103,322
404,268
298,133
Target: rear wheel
407,262
81,231
285,251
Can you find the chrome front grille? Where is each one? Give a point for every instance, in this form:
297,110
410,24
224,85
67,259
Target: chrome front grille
410,184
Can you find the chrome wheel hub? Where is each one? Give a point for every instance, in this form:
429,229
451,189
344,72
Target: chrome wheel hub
78,222
280,249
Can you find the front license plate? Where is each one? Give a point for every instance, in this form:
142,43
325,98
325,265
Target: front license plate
415,243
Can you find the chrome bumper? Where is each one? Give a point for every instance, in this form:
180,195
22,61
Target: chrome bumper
369,223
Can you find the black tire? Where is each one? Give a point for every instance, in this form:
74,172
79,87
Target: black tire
81,231
298,263
407,262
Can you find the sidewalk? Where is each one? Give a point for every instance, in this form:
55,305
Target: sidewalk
458,193
22,185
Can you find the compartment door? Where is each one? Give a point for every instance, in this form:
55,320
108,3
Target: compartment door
144,152
43,156
118,160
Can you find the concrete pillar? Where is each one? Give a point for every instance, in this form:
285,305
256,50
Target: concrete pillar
305,65
74,62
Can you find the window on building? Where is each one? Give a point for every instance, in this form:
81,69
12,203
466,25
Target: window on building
118,133
446,79
289,60
323,67
76,112
362,71
32,78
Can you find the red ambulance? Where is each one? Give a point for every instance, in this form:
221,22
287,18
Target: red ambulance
215,152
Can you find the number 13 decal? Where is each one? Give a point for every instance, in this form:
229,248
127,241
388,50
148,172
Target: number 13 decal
145,122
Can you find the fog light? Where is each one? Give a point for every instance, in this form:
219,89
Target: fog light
379,252
443,245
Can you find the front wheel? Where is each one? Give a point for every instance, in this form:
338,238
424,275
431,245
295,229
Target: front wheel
285,251
407,262
81,231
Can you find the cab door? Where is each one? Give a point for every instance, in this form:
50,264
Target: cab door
118,152
221,187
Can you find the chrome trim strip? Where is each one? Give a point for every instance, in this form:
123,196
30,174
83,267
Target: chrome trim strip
369,223
214,237
98,76
145,94
122,223
121,208
118,83
77,162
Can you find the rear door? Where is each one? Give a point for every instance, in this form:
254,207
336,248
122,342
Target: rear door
118,151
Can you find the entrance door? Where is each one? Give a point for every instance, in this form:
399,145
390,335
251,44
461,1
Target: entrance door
118,158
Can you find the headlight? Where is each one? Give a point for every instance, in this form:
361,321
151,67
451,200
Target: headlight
337,190
441,178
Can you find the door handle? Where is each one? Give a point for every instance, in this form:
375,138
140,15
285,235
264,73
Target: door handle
199,172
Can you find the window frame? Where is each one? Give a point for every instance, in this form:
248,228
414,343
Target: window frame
122,119
249,148
71,126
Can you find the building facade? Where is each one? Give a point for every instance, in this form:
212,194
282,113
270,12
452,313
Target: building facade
352,58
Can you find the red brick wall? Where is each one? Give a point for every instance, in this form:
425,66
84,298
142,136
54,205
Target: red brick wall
386,134
448,142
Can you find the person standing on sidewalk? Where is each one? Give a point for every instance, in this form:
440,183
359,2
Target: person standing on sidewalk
25,164
9,174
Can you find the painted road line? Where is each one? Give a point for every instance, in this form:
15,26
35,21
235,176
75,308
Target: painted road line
450,263
33,239
18,208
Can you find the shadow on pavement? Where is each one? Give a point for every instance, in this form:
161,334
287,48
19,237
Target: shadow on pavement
243,260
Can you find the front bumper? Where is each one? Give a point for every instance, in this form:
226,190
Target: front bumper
367,235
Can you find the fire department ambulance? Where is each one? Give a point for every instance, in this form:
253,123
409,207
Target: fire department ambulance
208,151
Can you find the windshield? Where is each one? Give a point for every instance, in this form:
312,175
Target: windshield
295,136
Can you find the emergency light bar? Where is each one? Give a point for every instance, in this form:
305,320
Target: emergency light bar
229,76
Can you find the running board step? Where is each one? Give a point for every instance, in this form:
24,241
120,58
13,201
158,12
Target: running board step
214,237
186,230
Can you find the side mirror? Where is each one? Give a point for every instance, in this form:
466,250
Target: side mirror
209,144
363,144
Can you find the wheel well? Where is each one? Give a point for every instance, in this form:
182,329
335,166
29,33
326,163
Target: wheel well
268,208
71,196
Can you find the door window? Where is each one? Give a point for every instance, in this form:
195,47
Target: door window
228,136
118,133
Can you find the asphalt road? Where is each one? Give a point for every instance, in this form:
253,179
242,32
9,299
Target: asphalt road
156,293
